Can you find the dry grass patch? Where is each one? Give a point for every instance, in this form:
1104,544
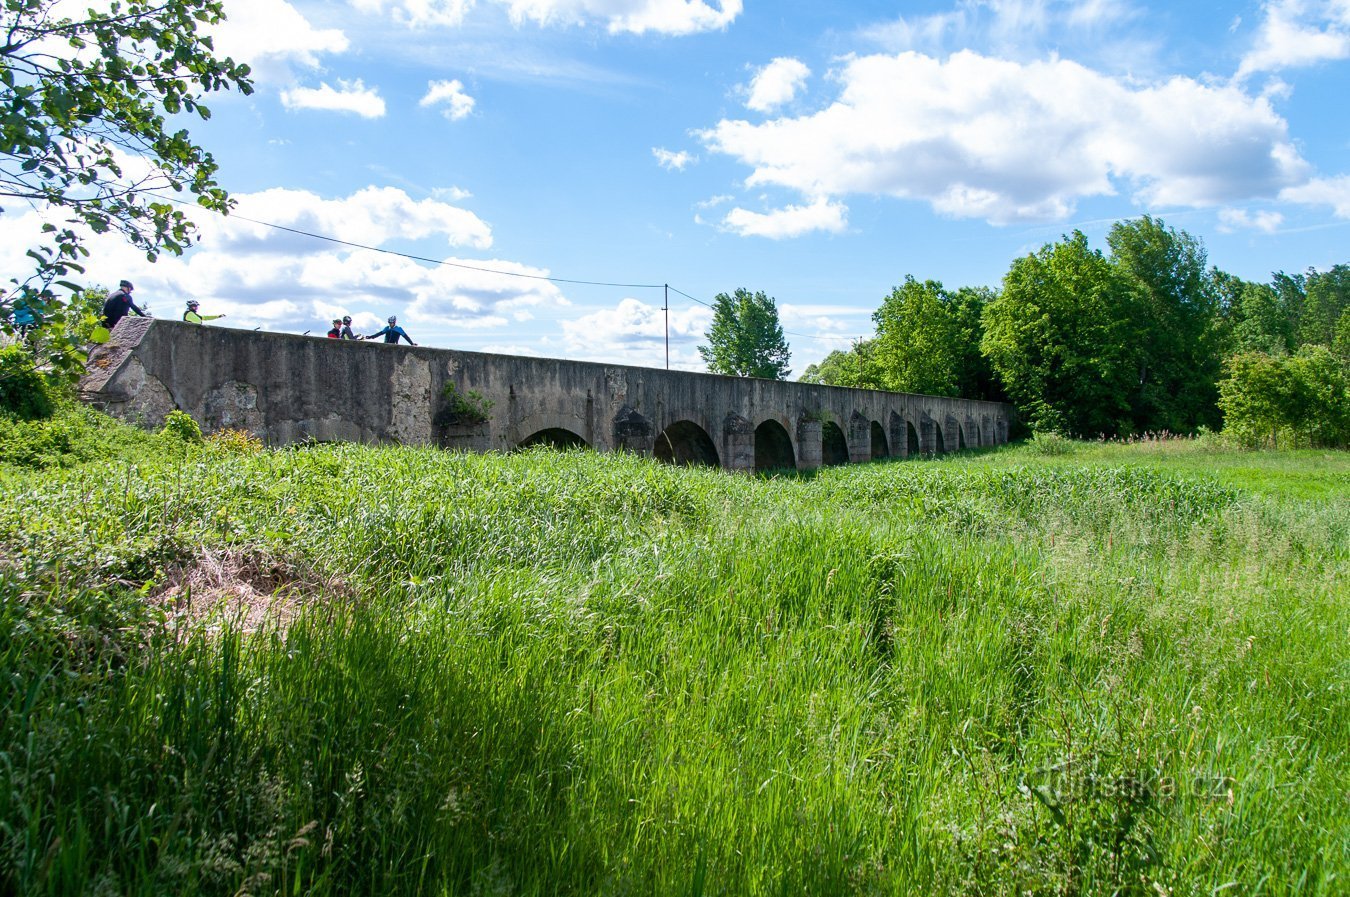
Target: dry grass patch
246,590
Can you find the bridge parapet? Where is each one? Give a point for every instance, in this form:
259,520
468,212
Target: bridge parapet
287,388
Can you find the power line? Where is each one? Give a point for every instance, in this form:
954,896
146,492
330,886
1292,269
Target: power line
789,332
478,268
420,258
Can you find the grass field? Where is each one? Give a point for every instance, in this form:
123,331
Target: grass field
350,670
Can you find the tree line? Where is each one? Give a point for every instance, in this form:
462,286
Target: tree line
1146,337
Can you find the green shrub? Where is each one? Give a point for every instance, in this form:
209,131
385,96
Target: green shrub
25,392
463,408
1045,443
240,442
181,426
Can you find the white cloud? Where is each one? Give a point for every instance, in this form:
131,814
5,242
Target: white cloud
262,277
792,221
271,36
452,194
419,13
776,84
371,216
981,137
635,333
1240,219
630,16
1019,27
1298,33
349,96
1334,192
672,161
618,16
451,95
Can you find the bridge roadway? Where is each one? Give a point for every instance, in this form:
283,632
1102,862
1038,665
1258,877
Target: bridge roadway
286,388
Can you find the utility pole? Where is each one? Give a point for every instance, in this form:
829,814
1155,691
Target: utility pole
667,311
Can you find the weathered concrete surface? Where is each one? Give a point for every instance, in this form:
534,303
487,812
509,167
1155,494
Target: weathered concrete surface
287,388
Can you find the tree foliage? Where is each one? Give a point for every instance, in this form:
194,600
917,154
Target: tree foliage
1301,399
917,346
745,338
85,129
1063,336
1176,300
854,367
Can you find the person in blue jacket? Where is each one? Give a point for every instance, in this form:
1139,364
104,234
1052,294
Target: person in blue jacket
392,332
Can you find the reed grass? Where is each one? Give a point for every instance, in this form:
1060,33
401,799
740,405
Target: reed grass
1118,670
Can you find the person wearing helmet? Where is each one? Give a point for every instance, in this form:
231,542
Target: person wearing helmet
336,331
392,332
194,316
119,304
347,329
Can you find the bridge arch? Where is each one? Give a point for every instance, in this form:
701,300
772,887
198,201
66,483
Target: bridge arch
545,428
686,443
833,444
773,447
880,445
556,437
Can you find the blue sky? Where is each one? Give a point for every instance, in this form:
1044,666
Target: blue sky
816,151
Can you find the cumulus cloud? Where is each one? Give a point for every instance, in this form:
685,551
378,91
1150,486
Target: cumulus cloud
792,221
272,36
672,161
1297,33
989,138
1012,26
263,277
776,84
1240,219
618,16
634,332
419,13
450,95
371,216
630,16
348,96
1334,192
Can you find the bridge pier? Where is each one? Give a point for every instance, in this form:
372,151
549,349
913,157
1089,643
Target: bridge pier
810,445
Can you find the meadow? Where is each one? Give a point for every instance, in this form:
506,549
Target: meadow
336,669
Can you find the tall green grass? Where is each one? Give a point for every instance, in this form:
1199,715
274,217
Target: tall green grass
1107,672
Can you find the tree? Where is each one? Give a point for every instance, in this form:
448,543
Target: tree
1257,321
1303,398
1326,301
975,377
918,342
84,131
1180,356
1063,337
745,338
854,367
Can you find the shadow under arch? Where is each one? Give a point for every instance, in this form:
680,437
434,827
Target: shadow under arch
833,445
880,447
773,448
555,437
686,444
912,440
939,442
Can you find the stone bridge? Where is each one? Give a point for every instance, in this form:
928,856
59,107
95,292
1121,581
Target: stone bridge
286,388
